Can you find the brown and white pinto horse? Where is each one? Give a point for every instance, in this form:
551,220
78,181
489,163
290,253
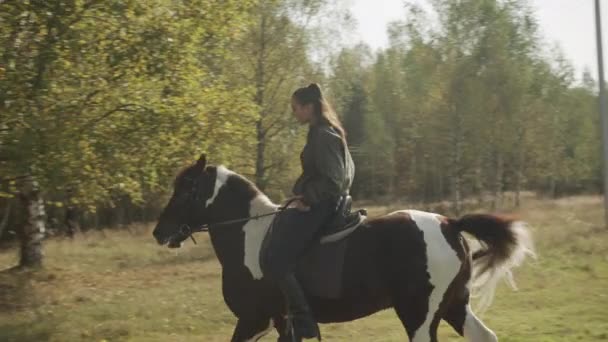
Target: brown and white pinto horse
415,262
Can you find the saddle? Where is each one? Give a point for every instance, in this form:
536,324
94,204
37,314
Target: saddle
320,269
344,222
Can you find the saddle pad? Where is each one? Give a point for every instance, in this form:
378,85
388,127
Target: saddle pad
320,269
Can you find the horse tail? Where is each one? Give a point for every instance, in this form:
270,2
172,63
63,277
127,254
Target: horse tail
505,244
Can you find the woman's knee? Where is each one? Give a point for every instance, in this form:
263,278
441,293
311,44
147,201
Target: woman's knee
273,268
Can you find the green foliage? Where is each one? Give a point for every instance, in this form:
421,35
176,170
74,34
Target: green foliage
107,98
274,58
102,101
469,107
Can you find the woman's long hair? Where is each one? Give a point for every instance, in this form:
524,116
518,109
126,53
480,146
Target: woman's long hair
323,111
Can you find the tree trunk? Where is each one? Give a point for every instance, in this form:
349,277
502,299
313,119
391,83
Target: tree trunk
427,178
71,222
479,184
396,175
71,219
456,170
32,232
552,187
373,186
409,178
498,186
519,175
5,217
456,181
260,168
389,176
440,186
260,174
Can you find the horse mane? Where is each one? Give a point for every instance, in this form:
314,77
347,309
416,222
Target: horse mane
181,173
225,175
242,180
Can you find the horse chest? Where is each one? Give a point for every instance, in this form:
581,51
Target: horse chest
254,234
244,295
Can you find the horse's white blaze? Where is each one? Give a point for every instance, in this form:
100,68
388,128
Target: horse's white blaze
442,265
475,330
255,231
221,177
261,333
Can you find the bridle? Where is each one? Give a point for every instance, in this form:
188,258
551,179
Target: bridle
185,231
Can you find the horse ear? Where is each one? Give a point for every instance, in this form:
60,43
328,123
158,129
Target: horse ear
202,161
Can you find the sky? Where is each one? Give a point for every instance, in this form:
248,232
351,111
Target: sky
568,23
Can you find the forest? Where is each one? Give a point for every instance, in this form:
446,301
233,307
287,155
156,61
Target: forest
468,108
102,102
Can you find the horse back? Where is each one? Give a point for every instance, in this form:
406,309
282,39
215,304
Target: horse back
404,245
390,257
386,247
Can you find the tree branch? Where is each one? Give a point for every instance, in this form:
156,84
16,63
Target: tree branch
121,108
271,134
273,165
17,178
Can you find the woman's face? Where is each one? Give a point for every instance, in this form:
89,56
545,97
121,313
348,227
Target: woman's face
302,113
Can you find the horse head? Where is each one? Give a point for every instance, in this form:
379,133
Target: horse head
186,210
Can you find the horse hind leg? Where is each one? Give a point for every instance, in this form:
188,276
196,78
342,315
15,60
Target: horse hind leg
460,316
433,304
413,311
251,330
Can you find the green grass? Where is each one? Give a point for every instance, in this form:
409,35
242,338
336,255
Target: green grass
121,286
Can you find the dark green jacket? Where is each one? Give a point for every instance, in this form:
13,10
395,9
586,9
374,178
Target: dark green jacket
327,166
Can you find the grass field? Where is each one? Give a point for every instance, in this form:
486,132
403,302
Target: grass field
121,286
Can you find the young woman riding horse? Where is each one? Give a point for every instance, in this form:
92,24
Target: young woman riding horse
327,174
418,263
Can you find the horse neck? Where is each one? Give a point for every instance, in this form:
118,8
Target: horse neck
228,240
261,205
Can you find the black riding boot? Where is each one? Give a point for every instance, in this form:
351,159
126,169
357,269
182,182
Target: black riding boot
304,326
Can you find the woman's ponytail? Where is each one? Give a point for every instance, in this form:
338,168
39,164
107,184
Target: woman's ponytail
315,91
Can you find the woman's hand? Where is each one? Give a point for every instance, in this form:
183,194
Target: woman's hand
299,204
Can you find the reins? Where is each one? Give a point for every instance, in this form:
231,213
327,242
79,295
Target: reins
188,231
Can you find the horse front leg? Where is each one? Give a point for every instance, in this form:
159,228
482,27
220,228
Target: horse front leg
251,329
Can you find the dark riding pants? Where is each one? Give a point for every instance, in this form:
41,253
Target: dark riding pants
292,232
